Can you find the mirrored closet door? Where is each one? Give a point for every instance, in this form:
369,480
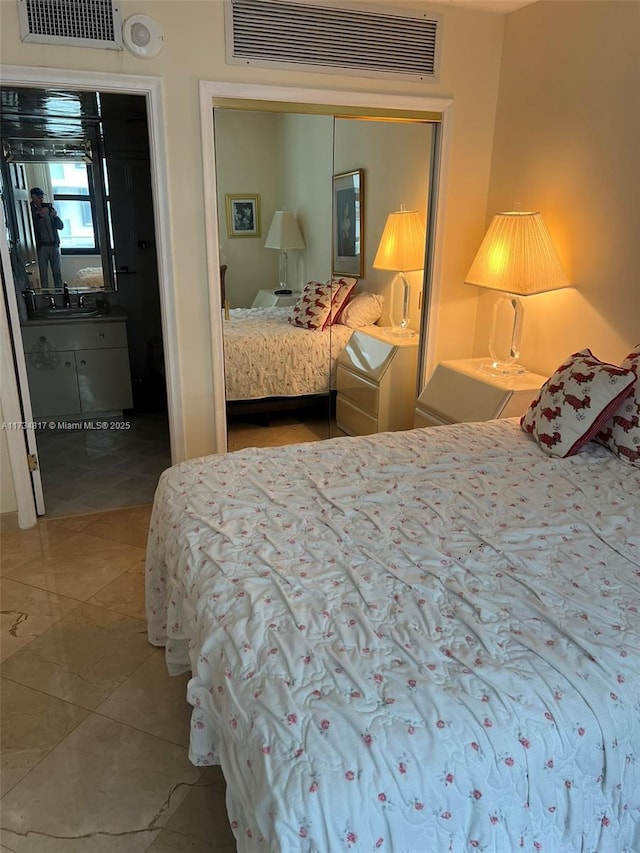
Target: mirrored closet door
303,200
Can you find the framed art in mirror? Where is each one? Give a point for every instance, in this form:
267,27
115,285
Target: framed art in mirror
348,223
243,215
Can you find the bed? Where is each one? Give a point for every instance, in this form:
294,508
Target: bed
416,641
89,278
268,357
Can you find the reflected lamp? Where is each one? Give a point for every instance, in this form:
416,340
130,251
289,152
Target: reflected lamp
402,249
517,258
284,234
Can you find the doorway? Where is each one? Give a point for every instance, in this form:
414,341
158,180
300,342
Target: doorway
146,437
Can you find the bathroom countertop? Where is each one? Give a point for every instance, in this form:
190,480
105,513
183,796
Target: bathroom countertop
113,315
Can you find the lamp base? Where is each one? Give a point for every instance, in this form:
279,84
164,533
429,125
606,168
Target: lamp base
283,291
402,332
502,368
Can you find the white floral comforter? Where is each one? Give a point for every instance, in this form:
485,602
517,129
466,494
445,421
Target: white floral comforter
421,641
266,356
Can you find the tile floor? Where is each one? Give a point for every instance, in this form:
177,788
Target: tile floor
89,470
94,730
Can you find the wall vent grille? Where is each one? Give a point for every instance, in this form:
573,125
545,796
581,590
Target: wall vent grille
369,41
77,23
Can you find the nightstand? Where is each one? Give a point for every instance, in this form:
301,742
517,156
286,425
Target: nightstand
459,391
270,299
376,382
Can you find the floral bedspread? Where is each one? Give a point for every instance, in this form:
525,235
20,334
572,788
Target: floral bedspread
266,356
410,642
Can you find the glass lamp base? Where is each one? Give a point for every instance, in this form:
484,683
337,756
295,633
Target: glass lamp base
502,368
402,332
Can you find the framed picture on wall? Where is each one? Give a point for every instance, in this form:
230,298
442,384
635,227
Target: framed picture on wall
243,215
348,223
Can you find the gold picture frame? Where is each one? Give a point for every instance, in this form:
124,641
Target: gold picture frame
243,215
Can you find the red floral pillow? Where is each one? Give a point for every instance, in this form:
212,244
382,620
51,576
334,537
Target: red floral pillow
575,402
622,432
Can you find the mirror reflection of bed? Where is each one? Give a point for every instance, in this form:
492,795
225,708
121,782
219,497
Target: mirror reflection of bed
280,378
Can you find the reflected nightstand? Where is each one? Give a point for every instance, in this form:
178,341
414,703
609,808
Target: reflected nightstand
270,299
376,382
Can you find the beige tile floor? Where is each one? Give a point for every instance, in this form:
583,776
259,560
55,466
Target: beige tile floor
94,730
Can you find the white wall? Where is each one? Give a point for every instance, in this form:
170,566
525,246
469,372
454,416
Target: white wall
194,50
567,144
305,168
246,157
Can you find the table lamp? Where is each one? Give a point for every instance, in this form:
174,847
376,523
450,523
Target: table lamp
284,234
402,248
517,257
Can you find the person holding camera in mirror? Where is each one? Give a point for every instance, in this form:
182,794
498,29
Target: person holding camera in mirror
46,225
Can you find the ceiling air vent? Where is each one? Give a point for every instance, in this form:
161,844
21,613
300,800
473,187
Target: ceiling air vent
366,40
78,23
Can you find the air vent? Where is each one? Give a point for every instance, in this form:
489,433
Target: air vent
368,41
77,23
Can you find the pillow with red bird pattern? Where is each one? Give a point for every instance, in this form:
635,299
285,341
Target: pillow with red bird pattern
621,433
320,304
575,402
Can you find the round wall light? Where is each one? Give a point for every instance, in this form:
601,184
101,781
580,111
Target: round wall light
142,36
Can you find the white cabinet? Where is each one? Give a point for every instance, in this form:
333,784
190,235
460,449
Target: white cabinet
270,299
77,368
459,391
376,383
53,383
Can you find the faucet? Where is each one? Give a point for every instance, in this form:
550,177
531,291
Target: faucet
51,298
81,299
67,298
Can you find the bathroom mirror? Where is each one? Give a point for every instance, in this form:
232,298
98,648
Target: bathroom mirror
54,141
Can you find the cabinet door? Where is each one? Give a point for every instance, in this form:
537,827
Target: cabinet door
103,380
53,385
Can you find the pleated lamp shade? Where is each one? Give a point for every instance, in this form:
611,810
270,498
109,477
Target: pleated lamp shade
517,256
402,245
284,232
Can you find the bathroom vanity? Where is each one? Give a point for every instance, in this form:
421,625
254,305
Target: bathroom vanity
78,364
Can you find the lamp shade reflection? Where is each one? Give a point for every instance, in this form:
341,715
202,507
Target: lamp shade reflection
402,248
284,234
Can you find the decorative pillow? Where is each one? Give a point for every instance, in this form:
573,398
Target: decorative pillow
321,304
575,402
341,288
313,308
622,432
364,309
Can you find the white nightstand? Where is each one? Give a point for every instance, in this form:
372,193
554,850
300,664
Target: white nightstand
376,382
458,391
270,299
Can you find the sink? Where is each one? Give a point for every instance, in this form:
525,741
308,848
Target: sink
63,313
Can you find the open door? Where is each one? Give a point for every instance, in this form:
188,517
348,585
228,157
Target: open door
24,425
